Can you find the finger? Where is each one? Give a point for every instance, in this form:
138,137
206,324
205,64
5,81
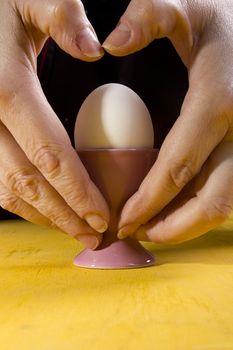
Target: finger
144,21
212,205
10,202
181,157
47,146
24,180
66,22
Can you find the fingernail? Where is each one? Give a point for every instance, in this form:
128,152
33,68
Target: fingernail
88,43
96,222
119,37
127,230
122,234
90,242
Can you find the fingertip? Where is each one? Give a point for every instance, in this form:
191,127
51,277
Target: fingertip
90,241
87,42
119,37
73,32
121,234
127,230
96,222
140,234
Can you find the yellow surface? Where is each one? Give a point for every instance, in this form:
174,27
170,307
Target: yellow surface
46,303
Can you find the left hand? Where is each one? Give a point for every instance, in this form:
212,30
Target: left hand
189,190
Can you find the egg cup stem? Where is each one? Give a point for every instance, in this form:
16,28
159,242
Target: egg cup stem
117,173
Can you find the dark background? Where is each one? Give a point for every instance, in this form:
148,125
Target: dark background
155,73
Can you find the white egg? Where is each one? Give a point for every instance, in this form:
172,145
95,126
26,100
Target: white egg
113,116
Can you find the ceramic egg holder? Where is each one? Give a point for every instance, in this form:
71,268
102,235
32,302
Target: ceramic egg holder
117,173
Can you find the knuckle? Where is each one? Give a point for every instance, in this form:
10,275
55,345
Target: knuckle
218,210
9,201
79,198
47,160
24,184
64,9
84,196
7,97
61,218
181,173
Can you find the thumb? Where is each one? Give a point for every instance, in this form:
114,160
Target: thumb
144,21
66,22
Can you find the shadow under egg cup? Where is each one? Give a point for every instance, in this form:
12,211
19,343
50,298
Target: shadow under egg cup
117,173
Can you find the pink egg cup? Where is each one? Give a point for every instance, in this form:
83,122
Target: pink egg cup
117,173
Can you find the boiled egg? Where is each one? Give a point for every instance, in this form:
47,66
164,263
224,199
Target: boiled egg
113,116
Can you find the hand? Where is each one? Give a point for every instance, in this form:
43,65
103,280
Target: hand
41,177
189,190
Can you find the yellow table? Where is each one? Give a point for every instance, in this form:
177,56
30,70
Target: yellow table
46,303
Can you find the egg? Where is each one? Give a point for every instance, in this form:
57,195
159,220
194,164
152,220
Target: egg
113,116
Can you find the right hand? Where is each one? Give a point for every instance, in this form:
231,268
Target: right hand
189,189
41,176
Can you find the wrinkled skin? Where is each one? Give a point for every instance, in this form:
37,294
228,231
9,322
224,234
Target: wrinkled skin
188,191
41,177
